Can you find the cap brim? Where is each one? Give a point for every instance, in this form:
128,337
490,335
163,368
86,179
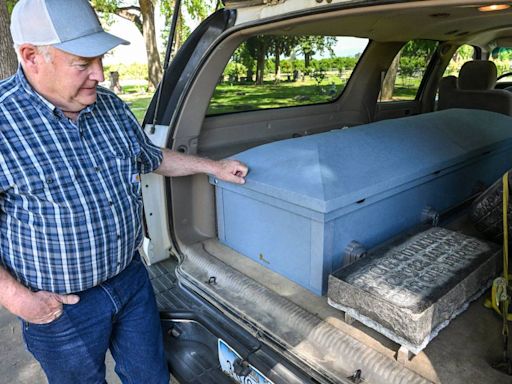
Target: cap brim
93,45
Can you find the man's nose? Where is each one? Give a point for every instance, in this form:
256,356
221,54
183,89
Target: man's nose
97,71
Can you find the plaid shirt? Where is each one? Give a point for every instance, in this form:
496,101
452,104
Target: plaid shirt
70,193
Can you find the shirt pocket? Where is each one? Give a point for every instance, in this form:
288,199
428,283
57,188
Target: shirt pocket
119,144
50,201
127,167
54,185
121,156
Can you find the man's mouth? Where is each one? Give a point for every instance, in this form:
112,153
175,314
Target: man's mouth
88,89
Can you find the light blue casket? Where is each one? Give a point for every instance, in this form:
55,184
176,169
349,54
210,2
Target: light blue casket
307,199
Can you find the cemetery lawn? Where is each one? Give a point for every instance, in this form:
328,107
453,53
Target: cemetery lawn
236,97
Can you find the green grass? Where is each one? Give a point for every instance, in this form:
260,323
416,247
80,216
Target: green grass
406,88
230,98
404,93
137,89
242,97
137,98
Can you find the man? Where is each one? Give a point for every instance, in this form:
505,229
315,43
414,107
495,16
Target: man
70,203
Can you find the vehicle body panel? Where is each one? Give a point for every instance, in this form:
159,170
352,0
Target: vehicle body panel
292,329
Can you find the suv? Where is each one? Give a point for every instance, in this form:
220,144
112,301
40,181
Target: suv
378,89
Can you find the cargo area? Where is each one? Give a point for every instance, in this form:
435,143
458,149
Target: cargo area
354,251
295,292
305,326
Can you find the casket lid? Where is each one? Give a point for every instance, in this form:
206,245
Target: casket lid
331,170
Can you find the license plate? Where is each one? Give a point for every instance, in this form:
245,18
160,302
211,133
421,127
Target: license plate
227,357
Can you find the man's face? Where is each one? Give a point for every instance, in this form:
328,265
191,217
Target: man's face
68,81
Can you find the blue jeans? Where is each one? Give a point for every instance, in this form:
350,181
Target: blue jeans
119,314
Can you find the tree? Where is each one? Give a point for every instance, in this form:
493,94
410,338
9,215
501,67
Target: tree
411,58
311,45
464,53
259,48
344,63
256,47
388,85
197,10
8,61
234,71
319,75
419,48
142,14
281,45
244,56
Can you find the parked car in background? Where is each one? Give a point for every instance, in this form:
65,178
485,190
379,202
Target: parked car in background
363,128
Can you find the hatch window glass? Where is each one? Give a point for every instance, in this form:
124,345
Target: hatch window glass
403,78
286,71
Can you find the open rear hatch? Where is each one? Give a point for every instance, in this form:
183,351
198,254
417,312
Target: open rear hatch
288,256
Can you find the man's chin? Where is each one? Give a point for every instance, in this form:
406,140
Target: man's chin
87,93
85,101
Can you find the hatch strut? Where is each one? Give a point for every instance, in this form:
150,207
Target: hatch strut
167,59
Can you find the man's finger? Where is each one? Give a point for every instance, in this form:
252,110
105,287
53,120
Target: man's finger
68,299
235,178
242,170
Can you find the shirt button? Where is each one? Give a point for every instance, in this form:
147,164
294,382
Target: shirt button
118,236
110,203
97,169
49,181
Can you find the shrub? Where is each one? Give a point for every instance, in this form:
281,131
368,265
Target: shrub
133,71
234,71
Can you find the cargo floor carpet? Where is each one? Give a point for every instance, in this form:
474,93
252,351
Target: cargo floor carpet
316,332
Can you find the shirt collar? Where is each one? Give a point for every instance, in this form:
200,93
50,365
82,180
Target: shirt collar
39,100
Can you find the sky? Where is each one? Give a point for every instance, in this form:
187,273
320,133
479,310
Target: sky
136,52
349,46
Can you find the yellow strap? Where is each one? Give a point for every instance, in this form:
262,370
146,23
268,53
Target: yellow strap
503,297
499,292
505,226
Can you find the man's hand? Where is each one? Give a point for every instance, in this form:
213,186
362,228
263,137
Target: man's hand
43,307
35,307
232,170
179,164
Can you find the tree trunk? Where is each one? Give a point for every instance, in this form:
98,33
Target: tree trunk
8,60
277,68
147,10
115,85
388,85
130,13
178,41
307,60
260,63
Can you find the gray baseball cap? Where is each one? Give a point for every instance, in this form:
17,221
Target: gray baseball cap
69,25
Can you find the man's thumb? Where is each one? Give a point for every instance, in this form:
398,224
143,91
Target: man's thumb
69,299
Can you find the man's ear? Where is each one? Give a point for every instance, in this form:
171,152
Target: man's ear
30,57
